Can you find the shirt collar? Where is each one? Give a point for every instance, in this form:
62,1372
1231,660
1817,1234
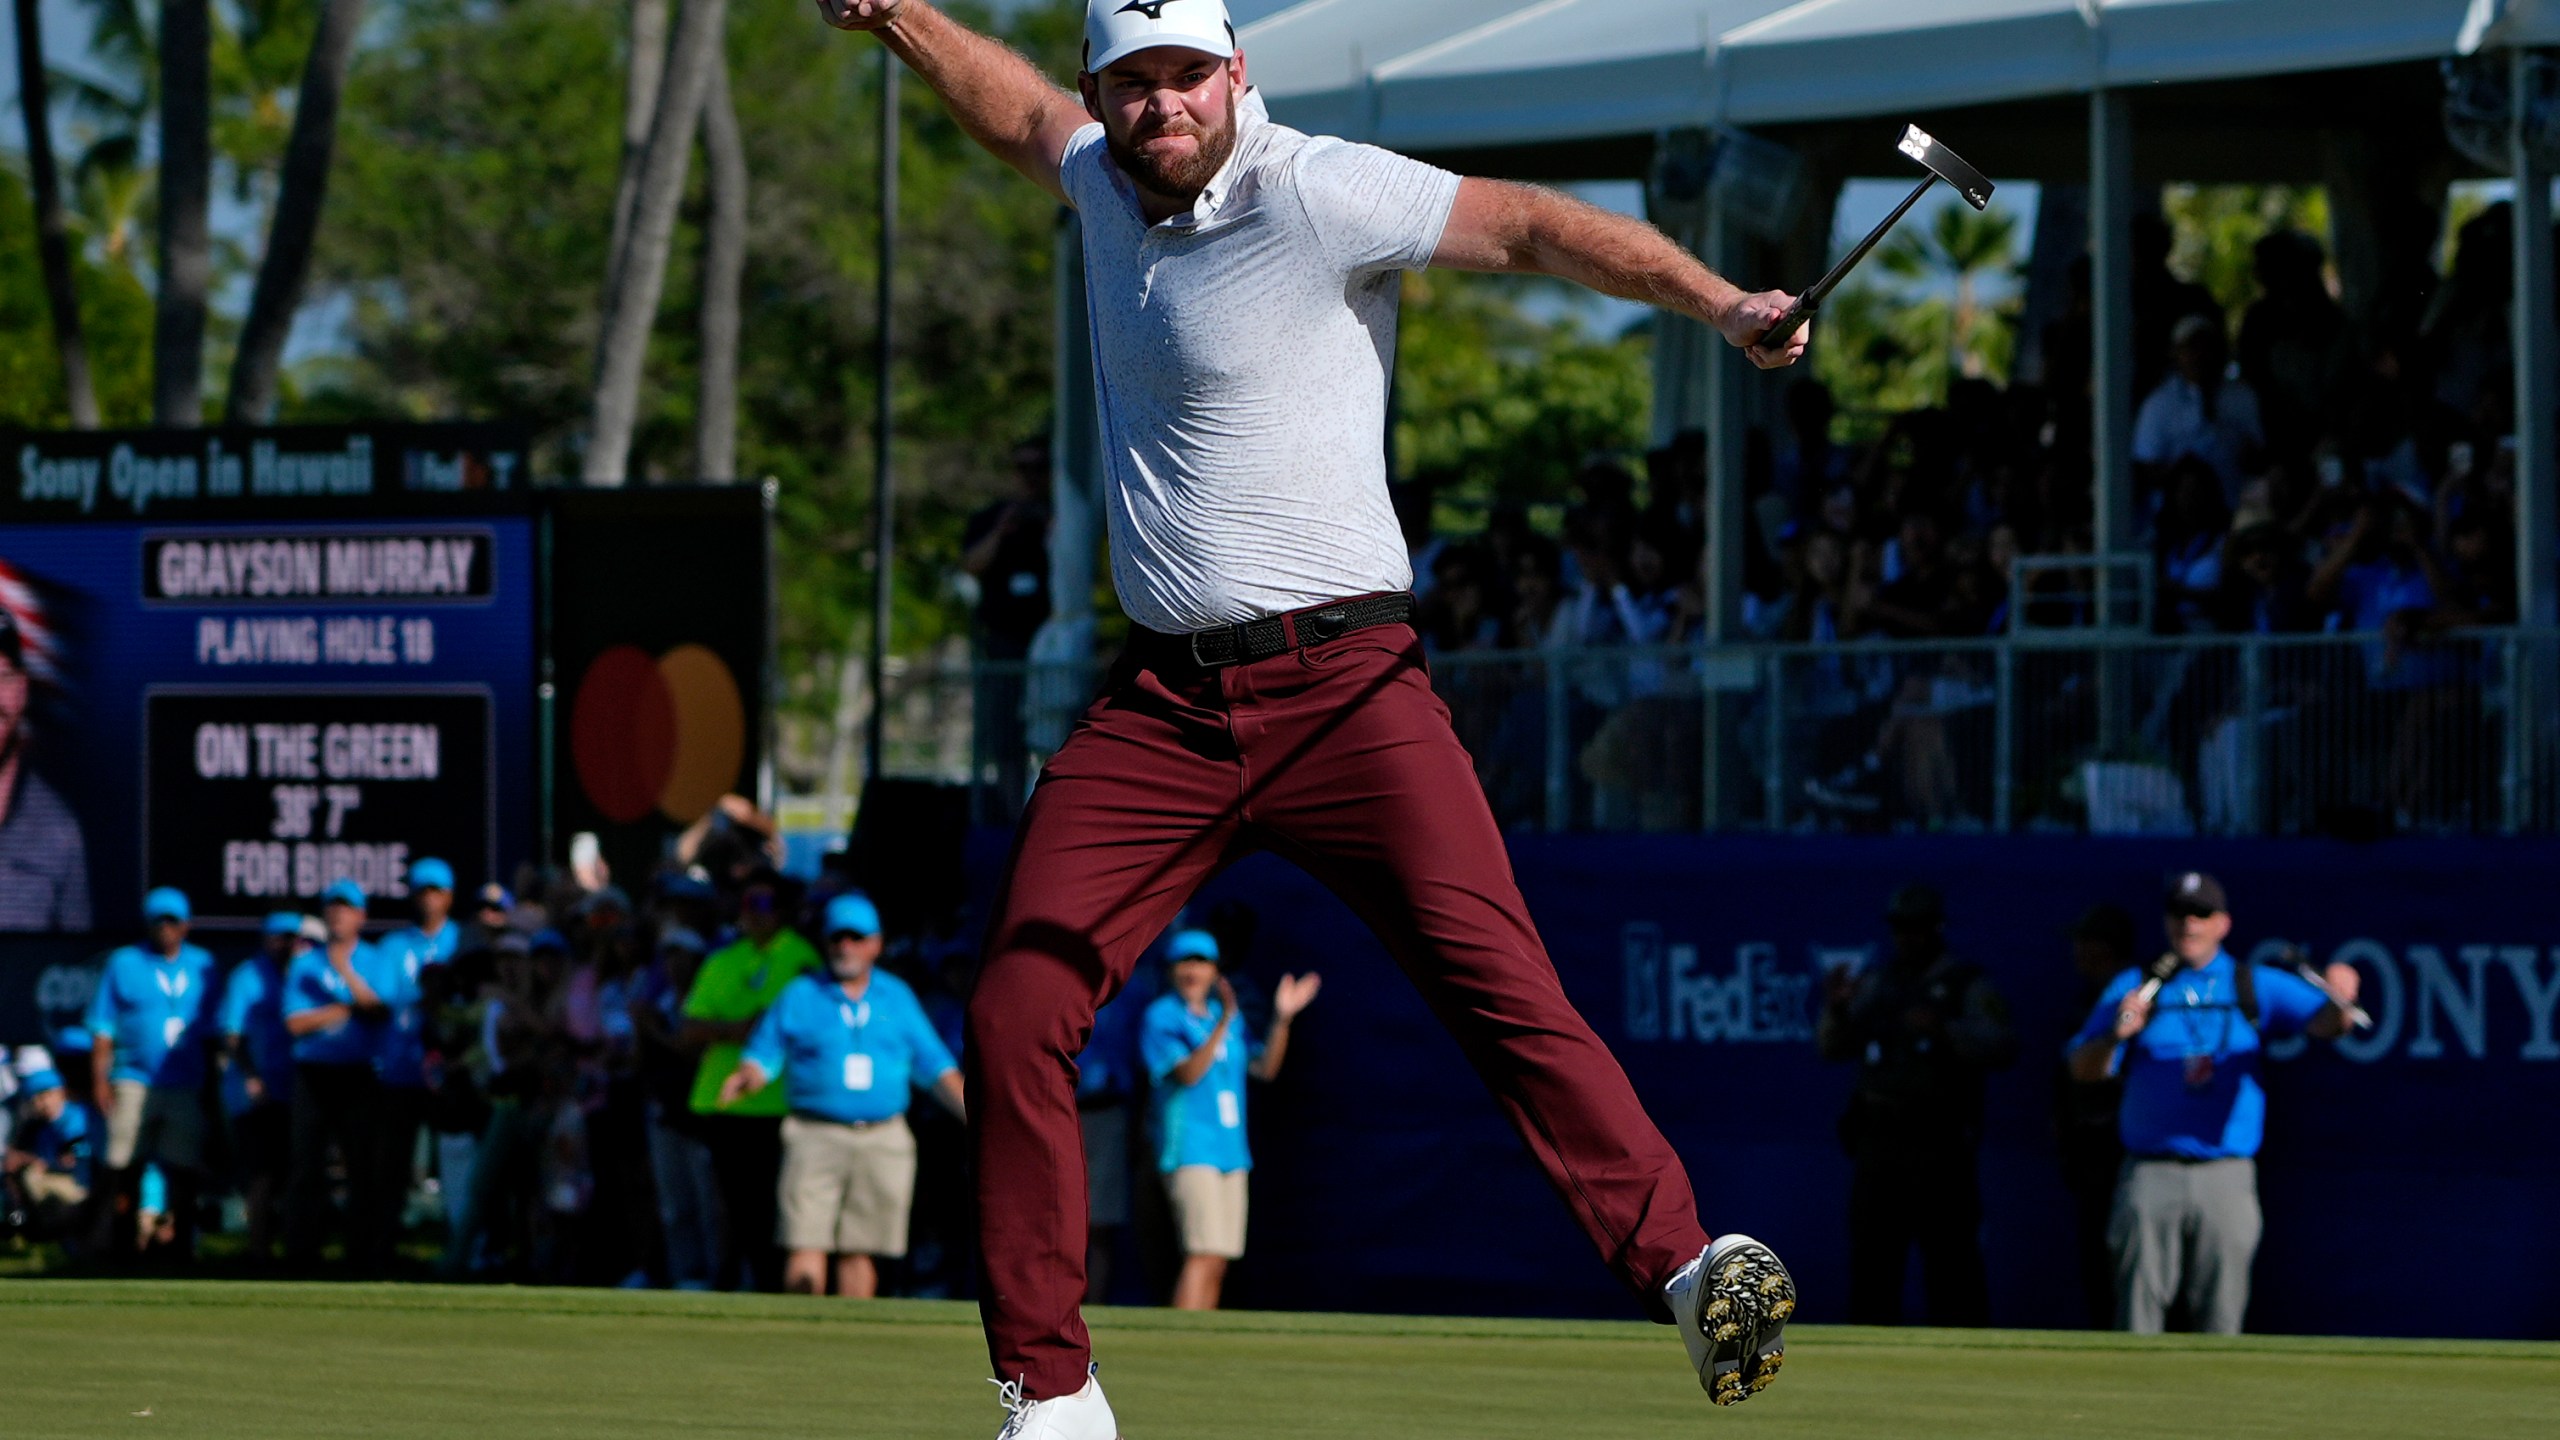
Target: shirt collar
1251,115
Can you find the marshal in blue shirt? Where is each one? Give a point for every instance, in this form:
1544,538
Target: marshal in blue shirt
1200,1123
312,983
253,1010
156,1011
398,958
847,1060
2191,1087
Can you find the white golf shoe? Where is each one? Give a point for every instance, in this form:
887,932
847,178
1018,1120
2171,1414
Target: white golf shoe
1732,1303
1085,1415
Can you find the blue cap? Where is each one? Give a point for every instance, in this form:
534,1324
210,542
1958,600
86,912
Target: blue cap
284,922
431,874
547,938
40,1081
679,937
1191,945
853,914
165,904
343,892
498,895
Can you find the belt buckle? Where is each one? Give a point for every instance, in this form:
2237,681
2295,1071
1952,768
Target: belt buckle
1235,632
1325,625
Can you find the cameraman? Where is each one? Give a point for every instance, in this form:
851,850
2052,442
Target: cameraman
2188,1040
1926,1028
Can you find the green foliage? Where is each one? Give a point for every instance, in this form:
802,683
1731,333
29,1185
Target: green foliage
115,314
1948,260
1896,336
468,217
1501,404
2217,225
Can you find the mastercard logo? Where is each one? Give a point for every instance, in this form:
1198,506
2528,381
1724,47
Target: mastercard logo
665,734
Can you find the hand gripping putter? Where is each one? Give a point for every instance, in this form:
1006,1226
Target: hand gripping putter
1942,164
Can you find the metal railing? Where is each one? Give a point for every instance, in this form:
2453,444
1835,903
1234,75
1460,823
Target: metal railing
2054,732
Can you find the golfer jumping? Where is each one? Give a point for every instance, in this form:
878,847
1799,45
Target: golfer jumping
1243,281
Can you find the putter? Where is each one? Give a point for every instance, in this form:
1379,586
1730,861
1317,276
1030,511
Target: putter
1942,164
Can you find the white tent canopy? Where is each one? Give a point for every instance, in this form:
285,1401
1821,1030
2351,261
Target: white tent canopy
2500,24
1831,59
1316,57
1449,74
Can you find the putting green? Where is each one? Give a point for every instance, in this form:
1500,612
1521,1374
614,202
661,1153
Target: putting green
277,1362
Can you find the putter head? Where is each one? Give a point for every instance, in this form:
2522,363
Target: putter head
1947,165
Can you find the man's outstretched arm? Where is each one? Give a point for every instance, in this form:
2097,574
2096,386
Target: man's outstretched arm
995,94
1497,225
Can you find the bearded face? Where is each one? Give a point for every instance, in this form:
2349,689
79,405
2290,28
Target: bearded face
1177,172
1168,117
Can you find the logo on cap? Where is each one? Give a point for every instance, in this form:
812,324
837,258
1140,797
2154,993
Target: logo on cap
1152,9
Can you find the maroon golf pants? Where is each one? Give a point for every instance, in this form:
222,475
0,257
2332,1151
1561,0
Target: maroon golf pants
1341,758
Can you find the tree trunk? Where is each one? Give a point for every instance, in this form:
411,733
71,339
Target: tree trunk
631,302
53,247
724,263
186,197
287,264
639,107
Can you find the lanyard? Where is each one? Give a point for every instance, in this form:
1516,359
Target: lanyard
2196,1005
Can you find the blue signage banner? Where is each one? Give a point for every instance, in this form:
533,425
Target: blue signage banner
1386,1180
249,709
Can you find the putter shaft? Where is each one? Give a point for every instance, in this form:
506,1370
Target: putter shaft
1811,300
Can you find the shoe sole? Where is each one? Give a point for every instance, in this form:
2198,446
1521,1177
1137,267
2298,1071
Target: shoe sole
1750,1297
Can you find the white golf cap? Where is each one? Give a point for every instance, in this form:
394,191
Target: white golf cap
1117,29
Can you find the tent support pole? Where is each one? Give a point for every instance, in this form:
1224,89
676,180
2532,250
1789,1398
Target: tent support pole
2534,684
2111,292
2537,365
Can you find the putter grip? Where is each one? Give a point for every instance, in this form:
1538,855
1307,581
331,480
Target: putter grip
1787,325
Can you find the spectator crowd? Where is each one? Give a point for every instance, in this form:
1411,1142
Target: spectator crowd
736,1083
2297,470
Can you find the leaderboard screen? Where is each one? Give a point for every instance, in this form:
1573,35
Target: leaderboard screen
251,708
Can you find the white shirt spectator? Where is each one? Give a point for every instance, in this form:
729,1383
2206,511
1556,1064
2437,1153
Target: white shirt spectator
2174,424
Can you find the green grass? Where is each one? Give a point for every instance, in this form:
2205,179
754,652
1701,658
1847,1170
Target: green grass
84,1358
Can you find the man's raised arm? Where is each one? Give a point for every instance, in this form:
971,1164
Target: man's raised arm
1497,225
995,94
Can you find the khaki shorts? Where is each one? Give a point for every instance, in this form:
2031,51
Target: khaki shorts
1106,1166
846,1189
155,1125
53,1201
1208,1208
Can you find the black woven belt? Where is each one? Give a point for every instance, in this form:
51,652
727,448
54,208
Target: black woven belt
1251,640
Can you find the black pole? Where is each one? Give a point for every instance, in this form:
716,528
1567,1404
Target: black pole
882,538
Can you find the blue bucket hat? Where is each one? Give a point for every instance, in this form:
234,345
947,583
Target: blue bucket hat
1191,945
165,903
852,914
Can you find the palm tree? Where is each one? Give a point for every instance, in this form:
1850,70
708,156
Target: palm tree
1958,250
639,107
186,199
634,288
53,246
114,188
724,262
303,187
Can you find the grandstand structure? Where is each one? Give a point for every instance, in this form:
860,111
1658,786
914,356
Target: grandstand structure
1744,121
